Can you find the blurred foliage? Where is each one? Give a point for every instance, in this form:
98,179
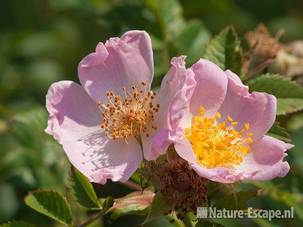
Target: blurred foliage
42,41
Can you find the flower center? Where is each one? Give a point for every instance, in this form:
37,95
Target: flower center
130,114
218,144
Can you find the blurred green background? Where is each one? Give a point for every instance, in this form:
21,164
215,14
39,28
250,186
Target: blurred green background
42,41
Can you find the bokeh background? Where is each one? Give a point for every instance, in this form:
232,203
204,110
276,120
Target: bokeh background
42,41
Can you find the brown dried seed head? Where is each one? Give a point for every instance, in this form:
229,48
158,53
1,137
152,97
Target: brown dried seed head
180,185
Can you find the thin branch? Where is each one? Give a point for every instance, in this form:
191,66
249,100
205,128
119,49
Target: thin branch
90,220
132,185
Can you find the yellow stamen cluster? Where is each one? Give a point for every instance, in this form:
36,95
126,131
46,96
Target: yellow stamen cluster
218,144
129,115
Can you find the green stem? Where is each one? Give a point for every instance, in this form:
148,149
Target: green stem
90,220
132,185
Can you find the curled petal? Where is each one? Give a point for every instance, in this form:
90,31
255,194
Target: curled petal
268,150
120,62
181,80
265,162
211,87
208,90
258,109
155,144
219,174
173,98
184,150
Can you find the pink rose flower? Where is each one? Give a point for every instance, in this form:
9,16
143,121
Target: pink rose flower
104,123
221,131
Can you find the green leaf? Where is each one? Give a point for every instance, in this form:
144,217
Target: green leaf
51,204
220,222
287,106
291,199
276,85
133,203
295,123
158,207
191,40
83,190
17,224
29,125
169,16
235,200
190,219
167,221
208,223
264,223
279,132
289,94
8,200
225,50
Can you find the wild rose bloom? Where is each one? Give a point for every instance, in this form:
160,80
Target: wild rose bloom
102,123
221,132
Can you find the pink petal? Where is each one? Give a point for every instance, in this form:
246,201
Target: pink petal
269,150
265,162
99,158
74,120
177,88
232,76
249,171
184,150
211,87
155,144
121,62
258,109
219,174
173,97
209,92
72,113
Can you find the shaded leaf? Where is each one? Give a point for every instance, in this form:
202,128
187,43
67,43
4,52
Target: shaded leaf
51,204
296,122
8,201
234,200
83,190
158,207
133,203
17,224
225,50
106,203
167,221
221,222
169,16
290,199
279,132
208,223
29,126
264,223
191,40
